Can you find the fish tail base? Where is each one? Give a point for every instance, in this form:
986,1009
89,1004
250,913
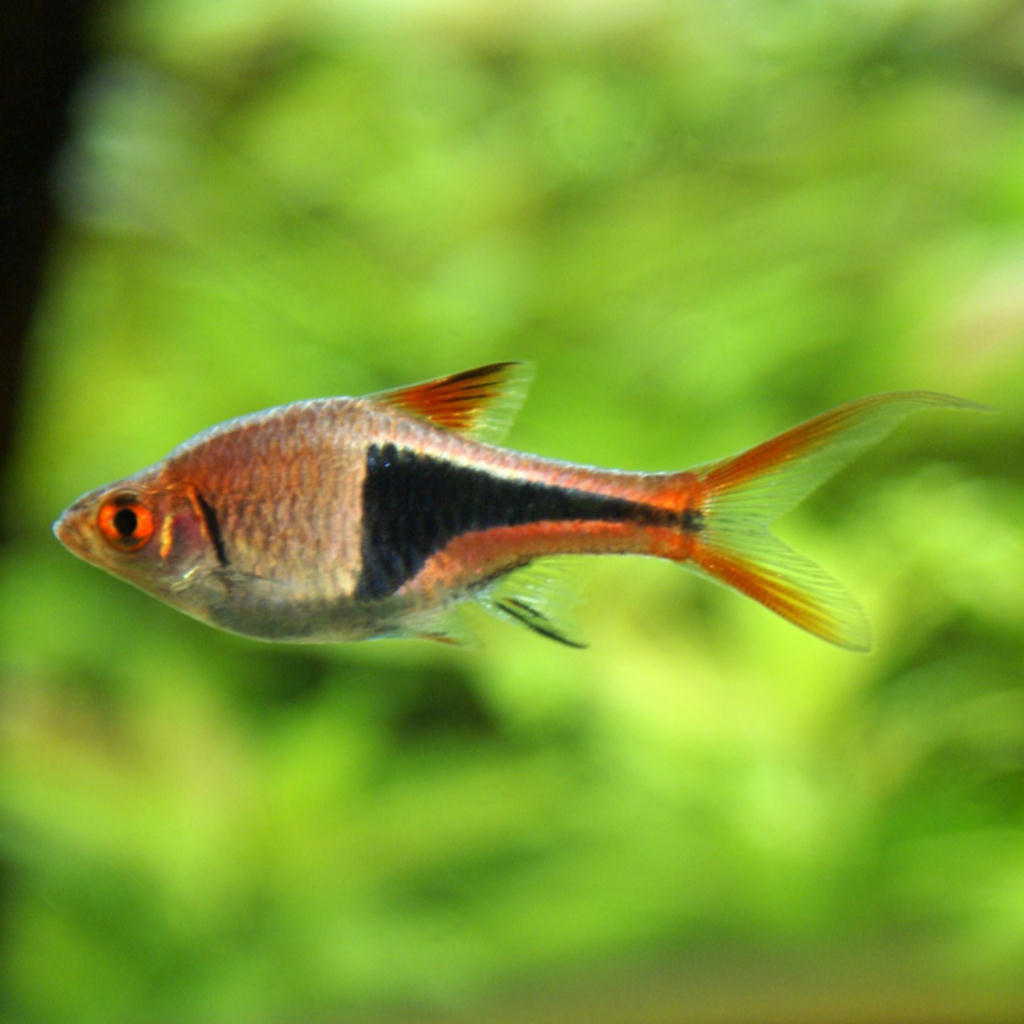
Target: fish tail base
736,500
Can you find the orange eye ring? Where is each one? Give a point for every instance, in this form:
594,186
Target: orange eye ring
125,523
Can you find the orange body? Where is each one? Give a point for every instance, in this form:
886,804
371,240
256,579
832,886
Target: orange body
347,518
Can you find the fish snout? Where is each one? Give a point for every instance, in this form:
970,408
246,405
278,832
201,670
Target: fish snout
68,527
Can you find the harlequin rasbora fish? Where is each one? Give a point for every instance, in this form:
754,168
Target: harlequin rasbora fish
350,518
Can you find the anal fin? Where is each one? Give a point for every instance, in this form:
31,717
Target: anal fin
539,596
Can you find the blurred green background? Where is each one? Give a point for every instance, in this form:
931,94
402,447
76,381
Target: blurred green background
703,222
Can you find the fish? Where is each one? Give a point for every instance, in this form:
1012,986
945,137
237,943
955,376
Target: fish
342,519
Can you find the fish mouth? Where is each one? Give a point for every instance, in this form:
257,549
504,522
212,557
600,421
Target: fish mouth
67,528
62,530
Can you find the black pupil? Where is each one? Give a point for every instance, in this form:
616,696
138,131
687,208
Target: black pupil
125,522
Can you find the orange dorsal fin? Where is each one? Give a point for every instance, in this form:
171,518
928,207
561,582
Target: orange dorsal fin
480,403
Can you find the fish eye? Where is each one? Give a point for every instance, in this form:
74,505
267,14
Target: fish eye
125,522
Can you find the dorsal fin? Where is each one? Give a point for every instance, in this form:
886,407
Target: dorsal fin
480,403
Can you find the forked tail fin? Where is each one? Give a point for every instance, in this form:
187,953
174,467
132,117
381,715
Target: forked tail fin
742,496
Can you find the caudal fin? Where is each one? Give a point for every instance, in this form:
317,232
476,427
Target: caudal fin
742,496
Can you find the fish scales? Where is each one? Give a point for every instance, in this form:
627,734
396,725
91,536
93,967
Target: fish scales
351,518
456,498
280,484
